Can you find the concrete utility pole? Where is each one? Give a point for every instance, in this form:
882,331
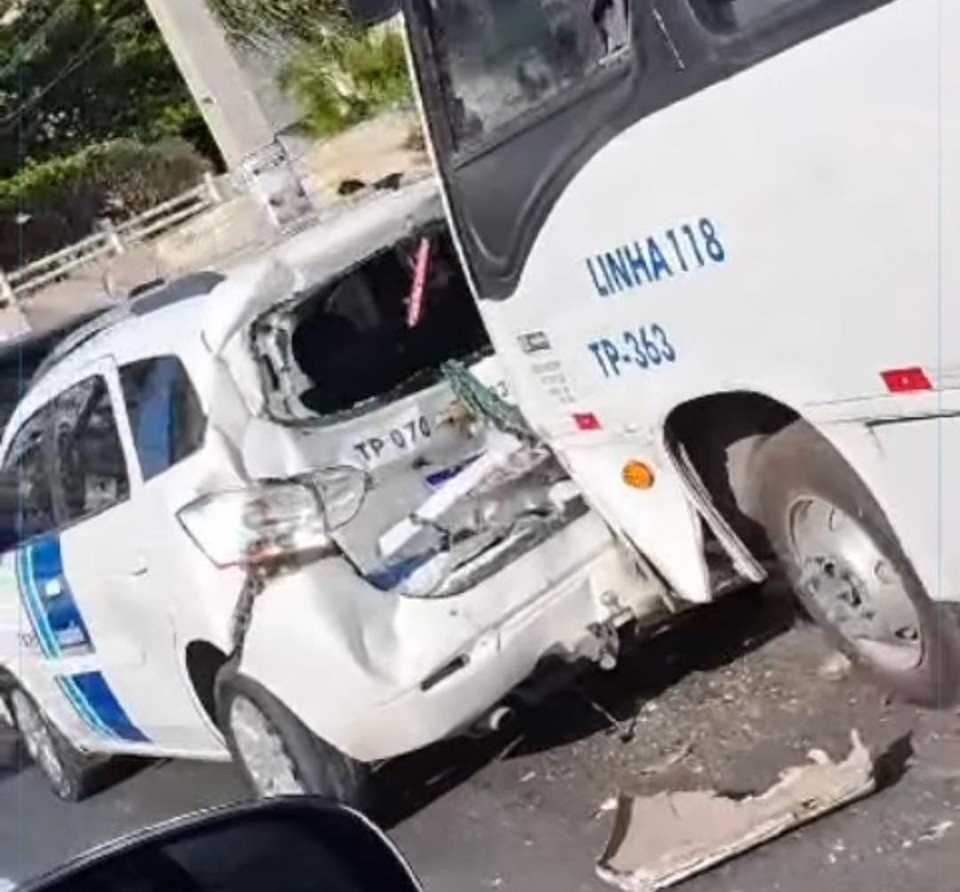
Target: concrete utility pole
230,107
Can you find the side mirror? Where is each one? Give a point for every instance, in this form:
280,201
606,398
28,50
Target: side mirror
373,12
282,845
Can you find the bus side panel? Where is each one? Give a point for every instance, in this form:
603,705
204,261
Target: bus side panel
776,232
660,521
949,172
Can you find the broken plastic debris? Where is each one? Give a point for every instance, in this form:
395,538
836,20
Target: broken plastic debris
937,831
659,840
835,667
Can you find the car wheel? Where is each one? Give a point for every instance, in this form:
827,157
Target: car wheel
846,566
68,771
276,752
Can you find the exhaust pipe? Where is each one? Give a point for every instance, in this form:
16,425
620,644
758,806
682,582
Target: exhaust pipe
493,721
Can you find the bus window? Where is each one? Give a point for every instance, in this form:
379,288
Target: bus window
499,59
735,15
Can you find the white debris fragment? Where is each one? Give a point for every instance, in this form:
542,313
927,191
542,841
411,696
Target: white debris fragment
937,831
529,776
657,841
836,667
608,804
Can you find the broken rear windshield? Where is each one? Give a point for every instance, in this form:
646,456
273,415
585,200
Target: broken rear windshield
382,329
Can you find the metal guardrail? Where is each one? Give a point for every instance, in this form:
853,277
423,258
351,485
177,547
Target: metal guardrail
113,240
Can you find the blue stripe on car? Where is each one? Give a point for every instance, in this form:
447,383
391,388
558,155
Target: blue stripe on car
95,690
58,604
438,478
61,631
70,690
34,611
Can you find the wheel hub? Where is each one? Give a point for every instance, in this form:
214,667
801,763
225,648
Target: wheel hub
854,585
263,751
37,738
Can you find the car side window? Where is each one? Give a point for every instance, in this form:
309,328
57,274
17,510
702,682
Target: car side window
90,470
165,414
26,500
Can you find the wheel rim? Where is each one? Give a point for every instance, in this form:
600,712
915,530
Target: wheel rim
38,739
262,750
854,584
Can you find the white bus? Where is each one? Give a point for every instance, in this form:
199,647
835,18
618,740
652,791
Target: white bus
715,243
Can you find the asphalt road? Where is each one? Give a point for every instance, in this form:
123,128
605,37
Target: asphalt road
727,701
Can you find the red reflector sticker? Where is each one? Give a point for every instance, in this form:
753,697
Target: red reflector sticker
906,380
586,421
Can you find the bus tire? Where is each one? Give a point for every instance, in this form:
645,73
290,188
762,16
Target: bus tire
276,753
70,773
848,570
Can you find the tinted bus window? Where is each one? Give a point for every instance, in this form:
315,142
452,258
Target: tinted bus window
502,58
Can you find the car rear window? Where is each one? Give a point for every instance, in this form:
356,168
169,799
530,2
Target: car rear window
382,330
166,417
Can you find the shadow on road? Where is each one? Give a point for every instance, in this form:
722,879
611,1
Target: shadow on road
702,640
112,772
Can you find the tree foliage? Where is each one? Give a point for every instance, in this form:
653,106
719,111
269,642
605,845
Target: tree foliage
60,200
297,20
347,77
339,73
75,72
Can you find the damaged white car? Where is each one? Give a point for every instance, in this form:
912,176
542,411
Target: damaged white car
248,517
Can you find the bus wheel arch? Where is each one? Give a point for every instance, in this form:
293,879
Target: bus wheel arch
720,435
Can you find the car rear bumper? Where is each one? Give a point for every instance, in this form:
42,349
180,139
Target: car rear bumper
481,674
377,675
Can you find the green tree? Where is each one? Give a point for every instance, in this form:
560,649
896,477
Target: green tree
339,73
75,72
346,78
298,20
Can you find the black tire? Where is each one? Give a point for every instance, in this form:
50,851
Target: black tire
798,462
320,768
71,774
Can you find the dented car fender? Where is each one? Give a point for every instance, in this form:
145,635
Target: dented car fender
331,649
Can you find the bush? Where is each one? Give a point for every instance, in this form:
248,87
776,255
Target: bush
344,77
64,197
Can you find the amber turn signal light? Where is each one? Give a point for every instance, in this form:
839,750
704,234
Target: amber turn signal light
637,474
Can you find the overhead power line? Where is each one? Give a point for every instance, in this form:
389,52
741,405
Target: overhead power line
90,46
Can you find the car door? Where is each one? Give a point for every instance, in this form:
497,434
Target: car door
134,694
45,640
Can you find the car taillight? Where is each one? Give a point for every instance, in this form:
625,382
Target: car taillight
270,520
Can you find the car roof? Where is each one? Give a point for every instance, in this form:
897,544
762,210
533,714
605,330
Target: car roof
176,316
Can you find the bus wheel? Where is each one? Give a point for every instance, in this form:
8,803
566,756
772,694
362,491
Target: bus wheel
69,772
849,572
277,754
